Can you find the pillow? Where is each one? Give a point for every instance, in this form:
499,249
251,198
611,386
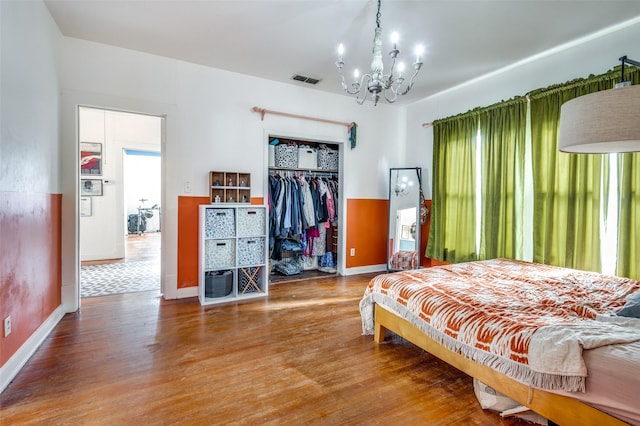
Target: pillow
632,307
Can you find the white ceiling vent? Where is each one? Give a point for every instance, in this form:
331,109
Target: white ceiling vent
305,79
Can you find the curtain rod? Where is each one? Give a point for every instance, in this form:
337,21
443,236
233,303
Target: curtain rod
264,111
427,124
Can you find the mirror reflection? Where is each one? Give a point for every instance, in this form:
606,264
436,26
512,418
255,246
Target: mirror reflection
404,218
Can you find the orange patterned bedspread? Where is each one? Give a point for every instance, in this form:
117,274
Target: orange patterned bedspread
489,310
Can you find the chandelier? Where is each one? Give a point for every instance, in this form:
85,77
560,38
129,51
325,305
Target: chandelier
402,188
376,82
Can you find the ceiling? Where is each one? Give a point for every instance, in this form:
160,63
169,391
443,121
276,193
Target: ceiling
275,39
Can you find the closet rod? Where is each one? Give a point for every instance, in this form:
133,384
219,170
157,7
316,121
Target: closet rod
264,111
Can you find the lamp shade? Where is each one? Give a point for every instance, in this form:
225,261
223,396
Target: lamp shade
601,122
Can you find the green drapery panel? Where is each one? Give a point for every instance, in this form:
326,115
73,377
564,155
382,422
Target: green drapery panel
570,190
502,136
453,229
628,264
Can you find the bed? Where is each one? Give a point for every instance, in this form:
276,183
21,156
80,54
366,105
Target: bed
520,328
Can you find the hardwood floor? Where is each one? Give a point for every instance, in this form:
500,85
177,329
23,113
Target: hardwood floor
296,358
136,248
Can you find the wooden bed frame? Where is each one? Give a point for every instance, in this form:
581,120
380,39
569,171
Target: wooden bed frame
560,409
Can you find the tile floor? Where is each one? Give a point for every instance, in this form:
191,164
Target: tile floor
138,271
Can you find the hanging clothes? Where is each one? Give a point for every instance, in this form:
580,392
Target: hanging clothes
302,207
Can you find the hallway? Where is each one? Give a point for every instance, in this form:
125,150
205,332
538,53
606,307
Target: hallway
138,271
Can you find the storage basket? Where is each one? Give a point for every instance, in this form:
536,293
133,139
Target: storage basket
220,254
307,157
327,158
220,223
286,156
251,251
251,222
218,283
250,280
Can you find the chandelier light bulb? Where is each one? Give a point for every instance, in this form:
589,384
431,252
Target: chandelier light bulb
356,73
419,52
394,38
400,68
340,49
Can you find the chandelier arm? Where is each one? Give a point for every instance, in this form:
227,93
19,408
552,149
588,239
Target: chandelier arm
410,85
394,98
393,66
357,86
362,85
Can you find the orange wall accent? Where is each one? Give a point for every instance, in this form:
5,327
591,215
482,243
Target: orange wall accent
424,238
188,238
367,221
30,264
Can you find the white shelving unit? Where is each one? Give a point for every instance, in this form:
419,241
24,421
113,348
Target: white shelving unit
233,253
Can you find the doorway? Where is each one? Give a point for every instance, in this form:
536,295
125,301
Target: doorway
120,155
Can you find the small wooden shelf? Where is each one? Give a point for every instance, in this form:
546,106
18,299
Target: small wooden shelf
229,187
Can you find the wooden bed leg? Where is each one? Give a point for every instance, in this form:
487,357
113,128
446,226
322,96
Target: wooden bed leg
379,332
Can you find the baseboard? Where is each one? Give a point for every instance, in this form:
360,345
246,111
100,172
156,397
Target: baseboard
365,269
187,292
12,367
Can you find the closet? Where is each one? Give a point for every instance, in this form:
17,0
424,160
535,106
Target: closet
303,198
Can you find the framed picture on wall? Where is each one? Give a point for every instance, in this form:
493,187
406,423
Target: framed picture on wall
90,187
85,206
91,158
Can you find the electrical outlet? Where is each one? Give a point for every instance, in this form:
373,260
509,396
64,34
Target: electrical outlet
353,252
7,326
187,187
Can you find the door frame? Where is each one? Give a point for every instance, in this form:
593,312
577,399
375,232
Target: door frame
77,262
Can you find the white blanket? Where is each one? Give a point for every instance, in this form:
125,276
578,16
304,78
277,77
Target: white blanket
557,349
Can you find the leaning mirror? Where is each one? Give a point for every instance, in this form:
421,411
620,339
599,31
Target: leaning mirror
403,239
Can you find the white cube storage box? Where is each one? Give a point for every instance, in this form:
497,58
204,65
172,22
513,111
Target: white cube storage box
250,251
251,221
286,156
233,253
307,157
328,159
220,253
220,223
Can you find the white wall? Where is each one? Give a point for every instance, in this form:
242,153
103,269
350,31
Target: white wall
592,56
29,174
210,126
29,150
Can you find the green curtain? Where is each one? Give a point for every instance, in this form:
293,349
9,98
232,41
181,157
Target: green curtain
628,264
570,190
502,135
453,227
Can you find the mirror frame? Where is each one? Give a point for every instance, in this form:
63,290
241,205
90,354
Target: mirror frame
393,211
